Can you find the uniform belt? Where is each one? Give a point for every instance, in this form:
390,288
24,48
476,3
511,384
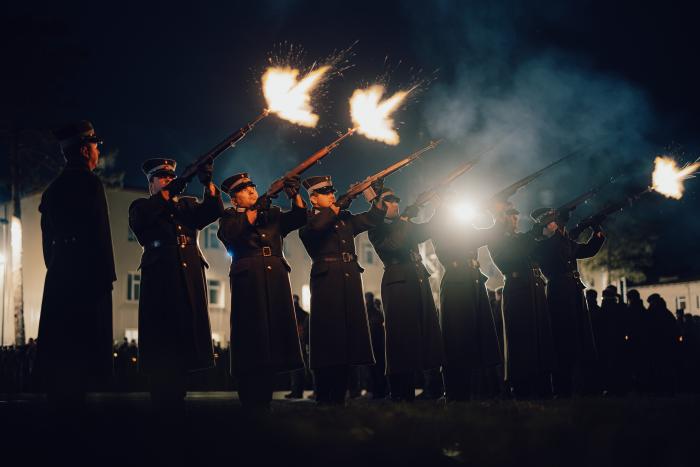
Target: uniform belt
517,274
264,251
180,240
568,275
413,258
345,257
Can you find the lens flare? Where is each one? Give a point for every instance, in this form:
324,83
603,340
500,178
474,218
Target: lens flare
290,97
667,178
463,212
372,116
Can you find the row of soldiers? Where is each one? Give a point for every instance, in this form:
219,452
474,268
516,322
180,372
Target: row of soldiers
547,329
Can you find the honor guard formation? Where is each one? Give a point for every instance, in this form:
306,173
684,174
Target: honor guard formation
540,341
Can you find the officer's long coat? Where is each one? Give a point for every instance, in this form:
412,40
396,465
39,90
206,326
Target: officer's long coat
469,332
413,339
339,332
75,328
571,321
529,350
174,329
263,322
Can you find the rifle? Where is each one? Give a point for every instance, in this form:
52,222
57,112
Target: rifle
425,197
216,151
564,211
278,185
367,183
600,216
510,190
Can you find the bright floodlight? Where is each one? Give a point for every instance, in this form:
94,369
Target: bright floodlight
463,211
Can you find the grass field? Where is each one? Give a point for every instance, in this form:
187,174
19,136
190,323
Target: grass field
118,429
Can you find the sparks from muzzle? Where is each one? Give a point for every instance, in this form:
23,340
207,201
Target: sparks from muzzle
289,97
371,116
667,178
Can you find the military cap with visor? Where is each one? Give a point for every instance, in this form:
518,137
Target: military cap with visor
159,167
321,184
236,183
76,134
544,215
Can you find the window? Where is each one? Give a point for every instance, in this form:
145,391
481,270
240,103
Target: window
131,237
133,287
216,293
680,303
369,254
131,334
211,241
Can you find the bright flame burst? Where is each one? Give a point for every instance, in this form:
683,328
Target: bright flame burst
371,117
290,98
668,179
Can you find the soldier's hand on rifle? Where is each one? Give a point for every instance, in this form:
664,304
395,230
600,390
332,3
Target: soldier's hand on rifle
205,173
410,212
263,203
344,203
291,186
176,186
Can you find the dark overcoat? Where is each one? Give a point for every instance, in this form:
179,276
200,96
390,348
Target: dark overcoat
75,328
413,339
527,332
468,329
174,329
263,323
572,328
338,330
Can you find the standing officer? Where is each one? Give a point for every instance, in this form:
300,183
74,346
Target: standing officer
472,351
339,332
572,330
174,329
413,339
527,332
75,329
264,337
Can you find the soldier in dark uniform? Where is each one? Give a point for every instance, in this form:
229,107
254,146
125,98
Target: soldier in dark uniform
75,329
574,344
472,351
413,339
375,316
339,332
264,337
528,346
174,329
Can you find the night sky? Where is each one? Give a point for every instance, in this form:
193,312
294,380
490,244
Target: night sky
539,79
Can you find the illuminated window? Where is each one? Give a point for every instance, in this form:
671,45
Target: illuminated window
216,293
131,334
680,303
211,241
133,287
369,254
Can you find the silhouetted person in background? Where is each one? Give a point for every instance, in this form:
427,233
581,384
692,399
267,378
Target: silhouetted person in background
75,329
638,341
612,342
663,346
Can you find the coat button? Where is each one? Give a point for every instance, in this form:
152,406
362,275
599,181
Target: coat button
342,241
336,226
269,268
347,274
182,246
263,235
179,227
172,215
184,264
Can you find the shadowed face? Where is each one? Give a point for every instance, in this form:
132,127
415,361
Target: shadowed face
245,198
512,222
91,153
392,208
158,182
322,200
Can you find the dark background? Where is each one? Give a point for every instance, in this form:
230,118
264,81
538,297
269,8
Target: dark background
537,78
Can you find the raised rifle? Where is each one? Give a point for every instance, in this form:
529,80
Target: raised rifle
366,184
209,156
427,196
597,218
564,211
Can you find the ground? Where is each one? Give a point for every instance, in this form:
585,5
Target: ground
118,429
